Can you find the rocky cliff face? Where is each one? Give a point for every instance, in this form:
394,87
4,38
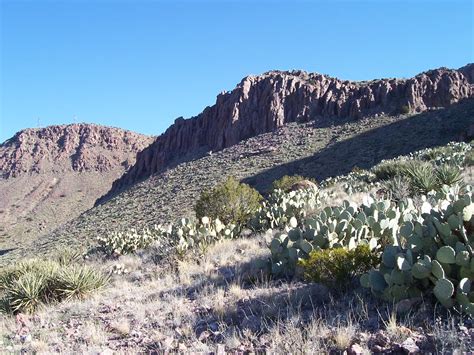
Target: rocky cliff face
68,148
265,102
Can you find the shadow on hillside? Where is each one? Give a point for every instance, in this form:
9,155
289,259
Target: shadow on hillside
5,251
369,148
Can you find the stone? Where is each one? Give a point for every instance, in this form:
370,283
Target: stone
409,346
355,349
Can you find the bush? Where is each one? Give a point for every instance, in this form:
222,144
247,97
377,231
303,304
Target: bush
287,181
338,266
231,202
26,286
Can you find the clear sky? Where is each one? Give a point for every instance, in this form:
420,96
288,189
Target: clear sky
140,64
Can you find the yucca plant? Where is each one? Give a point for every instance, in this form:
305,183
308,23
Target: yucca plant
27,292
67,256
422,177
78,281
448,174
398,188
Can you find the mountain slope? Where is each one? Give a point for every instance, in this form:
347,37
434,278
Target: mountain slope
303,148
263,103
50,175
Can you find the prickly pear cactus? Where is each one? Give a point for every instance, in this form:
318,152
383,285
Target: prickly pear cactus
434,256
374,223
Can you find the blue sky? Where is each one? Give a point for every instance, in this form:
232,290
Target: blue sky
140,64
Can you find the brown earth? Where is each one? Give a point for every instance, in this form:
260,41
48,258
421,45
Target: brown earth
50,175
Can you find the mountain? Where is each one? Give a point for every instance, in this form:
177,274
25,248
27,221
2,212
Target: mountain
270,125
263,103
51,175
295,148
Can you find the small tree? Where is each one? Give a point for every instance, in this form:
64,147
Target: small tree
230,201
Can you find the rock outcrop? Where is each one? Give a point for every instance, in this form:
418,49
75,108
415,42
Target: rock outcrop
66,148
262,103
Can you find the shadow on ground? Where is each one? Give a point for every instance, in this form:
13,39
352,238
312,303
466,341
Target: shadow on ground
365,150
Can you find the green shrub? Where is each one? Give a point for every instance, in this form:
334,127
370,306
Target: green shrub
338,266
286,182
231,202
448,174
26,286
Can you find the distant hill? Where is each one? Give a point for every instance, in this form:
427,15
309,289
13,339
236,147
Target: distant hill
51,175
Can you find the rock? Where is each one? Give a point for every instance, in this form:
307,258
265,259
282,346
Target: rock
70,148
409,346
381,339
263,103
355,349
303,185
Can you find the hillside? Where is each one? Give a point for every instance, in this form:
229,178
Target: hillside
303,148
263,103
50,175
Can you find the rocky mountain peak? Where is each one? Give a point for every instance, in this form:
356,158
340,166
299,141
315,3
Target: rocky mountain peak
74,147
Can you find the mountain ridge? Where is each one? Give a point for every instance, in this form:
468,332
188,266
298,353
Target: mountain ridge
263,103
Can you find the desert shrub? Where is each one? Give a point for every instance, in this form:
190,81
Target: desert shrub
26,286
448,174
231,202
338,266
286,182
397,188
388,169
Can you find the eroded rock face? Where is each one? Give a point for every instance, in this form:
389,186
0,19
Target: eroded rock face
265,102
75,147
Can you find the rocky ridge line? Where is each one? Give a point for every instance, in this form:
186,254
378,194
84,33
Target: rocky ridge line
262,103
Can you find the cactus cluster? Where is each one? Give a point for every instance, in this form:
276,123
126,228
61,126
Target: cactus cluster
374,223
181,237
280,207
357,180
434,254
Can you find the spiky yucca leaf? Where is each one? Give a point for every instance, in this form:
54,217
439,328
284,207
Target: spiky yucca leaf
448,174
27,292
78,281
